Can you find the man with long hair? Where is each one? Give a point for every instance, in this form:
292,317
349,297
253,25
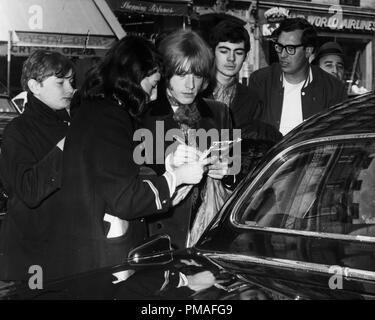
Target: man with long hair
188,63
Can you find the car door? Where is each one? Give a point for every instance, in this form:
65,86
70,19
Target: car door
312,208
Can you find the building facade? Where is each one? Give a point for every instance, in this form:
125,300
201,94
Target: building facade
351,23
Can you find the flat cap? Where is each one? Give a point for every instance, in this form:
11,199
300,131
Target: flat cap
329,48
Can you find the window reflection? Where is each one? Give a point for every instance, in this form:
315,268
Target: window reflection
322,188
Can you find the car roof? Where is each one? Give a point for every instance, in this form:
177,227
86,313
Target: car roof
353,116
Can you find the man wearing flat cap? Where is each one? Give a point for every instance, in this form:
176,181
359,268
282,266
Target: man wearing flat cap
330,58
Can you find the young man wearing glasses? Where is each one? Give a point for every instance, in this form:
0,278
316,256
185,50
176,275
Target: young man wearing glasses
292,90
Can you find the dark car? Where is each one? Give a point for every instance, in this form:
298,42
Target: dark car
301,225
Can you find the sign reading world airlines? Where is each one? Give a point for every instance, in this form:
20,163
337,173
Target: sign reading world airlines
334,19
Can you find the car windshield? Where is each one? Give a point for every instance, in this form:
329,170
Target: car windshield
326,188
6,105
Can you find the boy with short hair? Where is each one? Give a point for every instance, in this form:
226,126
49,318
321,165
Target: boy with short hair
230,43
31,163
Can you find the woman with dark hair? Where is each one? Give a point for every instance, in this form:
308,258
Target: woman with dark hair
104,197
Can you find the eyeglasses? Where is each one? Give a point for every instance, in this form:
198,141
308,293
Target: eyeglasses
289,48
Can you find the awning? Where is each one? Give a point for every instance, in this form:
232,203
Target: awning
59,23
154,7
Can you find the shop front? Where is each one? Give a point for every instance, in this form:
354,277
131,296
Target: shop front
83,30
352,28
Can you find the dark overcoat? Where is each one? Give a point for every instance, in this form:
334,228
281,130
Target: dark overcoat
100,177
30,167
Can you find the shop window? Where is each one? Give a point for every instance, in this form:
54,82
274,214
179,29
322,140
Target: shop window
350,2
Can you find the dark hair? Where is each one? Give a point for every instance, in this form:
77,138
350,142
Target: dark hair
42,64
184,51
120,73
229,31
309,35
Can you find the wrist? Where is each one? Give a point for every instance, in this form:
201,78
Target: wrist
178,177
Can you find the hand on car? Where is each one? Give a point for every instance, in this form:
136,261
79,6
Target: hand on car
201,280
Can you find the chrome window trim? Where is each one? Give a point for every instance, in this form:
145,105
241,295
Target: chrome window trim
293,264
279,156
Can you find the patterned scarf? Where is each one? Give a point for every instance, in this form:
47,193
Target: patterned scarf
225,92
187,115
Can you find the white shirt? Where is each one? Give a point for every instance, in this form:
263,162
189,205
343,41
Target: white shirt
291,114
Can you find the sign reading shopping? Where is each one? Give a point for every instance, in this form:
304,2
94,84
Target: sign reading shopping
145,7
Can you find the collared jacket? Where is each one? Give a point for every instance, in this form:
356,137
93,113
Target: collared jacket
159,119
30,167
244,106
320,91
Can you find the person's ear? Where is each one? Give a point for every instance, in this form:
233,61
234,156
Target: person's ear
309,51
34,86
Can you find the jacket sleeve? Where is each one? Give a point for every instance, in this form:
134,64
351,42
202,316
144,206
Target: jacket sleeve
255,105
255,83
32,179
127,194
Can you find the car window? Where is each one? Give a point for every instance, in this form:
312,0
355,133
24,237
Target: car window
7,106
326,188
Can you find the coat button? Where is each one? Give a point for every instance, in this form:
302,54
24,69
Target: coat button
164,202
303,93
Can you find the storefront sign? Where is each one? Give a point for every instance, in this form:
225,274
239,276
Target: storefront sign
336,23
64,40
158,8
276,14
334,19
22,51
